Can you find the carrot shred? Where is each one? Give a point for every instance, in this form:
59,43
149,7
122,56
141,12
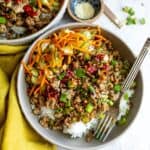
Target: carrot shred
26,68
31,91
37,90
39,4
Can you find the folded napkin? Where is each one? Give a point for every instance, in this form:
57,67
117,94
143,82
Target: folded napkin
15,132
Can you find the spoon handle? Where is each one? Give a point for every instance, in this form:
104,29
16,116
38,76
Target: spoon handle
108,12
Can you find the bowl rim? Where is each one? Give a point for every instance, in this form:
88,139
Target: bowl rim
87,20
30,37
30,121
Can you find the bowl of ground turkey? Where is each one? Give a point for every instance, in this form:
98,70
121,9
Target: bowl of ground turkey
21,21
70,78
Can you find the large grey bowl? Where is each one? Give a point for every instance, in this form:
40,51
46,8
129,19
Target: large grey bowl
61,139
30,38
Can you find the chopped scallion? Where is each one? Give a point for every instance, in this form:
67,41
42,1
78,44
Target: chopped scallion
89,108
80,73
61,76
142,21
117,88
91,89
3,20
63,97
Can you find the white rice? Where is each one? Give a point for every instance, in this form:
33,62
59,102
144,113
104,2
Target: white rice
78,129
47,112
124,104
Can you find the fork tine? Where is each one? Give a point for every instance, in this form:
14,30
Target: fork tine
110,121
108,132
102,126
98,126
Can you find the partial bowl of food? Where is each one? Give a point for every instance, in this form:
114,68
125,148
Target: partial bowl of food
22,21
85,10
70,77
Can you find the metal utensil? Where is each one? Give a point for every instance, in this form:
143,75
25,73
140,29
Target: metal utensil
108,12
106,124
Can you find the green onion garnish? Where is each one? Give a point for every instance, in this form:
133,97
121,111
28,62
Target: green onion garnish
89,108
3,20
80,73
61,76
142,21
117,88
91,89
63,97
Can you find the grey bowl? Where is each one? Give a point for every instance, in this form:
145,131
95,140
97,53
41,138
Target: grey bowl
61,139
30,38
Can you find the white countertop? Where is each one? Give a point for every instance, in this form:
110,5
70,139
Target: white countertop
138,135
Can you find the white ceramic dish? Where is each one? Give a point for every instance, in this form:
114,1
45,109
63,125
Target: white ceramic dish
64,140
31,37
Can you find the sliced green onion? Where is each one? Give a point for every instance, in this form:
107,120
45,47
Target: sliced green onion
117,88
126,96
34,72
87,57
122,121
32,2
88,34
106,100
61,76
68,103
128,10
101,115
34,80
114,62
94,80
131,12
131,20
3,20
59,110
99,50
85,119
110,102
63,97
91,89
45,2
89,108
80,73
142,21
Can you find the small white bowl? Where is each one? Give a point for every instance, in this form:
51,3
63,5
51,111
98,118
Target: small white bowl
64,140
31,37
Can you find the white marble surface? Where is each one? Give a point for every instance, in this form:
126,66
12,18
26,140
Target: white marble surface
138,136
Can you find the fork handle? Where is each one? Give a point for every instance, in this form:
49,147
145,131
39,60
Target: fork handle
136,66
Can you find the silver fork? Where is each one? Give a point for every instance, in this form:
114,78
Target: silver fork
106,124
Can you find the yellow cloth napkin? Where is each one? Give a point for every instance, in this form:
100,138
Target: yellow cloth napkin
15,132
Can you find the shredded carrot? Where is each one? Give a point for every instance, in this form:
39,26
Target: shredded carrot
39,4
43,81
69,59
101,37
37,90
25,67
32,90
